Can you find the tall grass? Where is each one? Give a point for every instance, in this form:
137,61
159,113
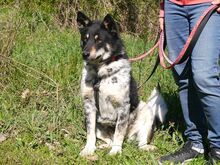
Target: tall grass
41,114
133,16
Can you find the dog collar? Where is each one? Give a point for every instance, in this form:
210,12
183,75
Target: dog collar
113,58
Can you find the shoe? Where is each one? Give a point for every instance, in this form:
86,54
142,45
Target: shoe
214,156
184,154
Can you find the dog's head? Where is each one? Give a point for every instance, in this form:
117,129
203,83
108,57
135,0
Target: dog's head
100,40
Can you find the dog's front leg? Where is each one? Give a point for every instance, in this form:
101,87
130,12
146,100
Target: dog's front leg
120,129
90,115
90,147
90,109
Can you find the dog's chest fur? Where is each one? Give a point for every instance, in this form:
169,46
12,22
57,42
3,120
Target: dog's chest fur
111,85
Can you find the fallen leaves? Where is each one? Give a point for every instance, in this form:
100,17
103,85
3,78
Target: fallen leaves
25,94
3,137
92,158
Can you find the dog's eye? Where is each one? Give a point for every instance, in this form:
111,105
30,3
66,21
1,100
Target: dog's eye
97,39
86,37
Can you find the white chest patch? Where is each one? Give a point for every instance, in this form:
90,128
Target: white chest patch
113,90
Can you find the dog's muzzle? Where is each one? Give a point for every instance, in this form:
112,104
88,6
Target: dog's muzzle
86,54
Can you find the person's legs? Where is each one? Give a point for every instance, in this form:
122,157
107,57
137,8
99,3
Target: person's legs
198,78
206,70
177,28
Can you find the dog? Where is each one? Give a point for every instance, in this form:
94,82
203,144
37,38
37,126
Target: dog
112,108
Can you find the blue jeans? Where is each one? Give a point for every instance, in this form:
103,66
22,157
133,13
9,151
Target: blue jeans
198,77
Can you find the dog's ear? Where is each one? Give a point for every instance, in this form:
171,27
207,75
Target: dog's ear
110,25
82,20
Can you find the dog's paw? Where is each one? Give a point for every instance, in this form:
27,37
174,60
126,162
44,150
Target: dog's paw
115,150
148,147
88,150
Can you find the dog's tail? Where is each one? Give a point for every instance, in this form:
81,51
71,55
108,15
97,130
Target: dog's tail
158,105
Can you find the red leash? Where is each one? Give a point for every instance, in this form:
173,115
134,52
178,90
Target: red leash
142,56
187,47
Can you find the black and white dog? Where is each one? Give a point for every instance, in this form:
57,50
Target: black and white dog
112,108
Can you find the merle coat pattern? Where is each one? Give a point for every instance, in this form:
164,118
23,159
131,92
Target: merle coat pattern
109,92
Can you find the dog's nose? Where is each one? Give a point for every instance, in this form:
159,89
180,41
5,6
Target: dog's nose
86,54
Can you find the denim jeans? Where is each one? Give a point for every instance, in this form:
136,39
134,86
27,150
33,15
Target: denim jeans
198,76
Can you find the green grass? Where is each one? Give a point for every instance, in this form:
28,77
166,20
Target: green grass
45,125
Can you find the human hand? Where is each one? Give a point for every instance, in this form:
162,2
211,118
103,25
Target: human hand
161,22
216,2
